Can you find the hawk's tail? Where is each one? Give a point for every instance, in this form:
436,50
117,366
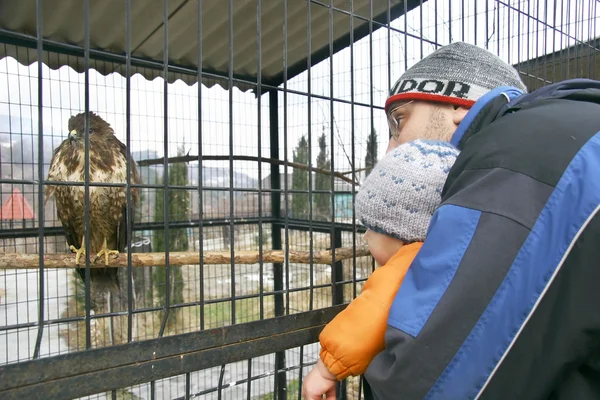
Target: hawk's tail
104,282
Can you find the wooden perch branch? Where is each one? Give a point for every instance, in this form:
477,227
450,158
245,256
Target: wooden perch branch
31,261
356,171
188,158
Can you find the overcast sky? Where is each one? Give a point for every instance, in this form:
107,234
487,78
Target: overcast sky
518,37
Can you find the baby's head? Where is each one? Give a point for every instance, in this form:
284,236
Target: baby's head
398,199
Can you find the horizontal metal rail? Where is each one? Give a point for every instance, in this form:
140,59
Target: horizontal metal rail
294,224
101,370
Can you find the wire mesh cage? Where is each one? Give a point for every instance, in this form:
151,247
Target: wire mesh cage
251,125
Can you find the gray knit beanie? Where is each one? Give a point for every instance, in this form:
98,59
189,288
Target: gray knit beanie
404,188
458,73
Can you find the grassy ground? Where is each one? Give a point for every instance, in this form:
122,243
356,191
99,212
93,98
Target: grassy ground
216,286
148,324
292,388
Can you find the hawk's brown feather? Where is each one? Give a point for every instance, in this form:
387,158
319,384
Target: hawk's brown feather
108,205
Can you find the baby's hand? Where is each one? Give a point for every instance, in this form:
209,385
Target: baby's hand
319,381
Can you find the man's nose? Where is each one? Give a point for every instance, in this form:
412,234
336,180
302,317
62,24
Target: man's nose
392,144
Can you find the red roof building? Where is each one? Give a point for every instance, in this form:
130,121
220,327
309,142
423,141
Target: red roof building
16,208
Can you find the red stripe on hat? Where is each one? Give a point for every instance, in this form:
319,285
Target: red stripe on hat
438,98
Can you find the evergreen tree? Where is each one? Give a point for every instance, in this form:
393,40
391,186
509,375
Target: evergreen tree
371,156
179,207
300,180
322,181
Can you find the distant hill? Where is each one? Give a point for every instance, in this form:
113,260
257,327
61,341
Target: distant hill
19,160
18,143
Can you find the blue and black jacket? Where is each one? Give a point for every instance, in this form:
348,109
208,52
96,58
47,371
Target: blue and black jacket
503,300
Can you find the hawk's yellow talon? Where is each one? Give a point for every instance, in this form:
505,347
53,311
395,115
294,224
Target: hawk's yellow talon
106,252
78,251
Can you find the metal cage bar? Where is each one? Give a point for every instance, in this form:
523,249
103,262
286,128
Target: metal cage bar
248,330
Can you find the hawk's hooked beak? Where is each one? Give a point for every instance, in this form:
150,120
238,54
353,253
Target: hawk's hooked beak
72,136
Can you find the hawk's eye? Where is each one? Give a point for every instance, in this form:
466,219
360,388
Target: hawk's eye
91,130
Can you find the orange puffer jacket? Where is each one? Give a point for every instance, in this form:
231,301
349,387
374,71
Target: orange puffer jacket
356,335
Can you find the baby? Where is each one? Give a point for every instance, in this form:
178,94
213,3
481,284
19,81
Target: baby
395,204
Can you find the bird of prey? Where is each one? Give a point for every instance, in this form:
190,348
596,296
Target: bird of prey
107,205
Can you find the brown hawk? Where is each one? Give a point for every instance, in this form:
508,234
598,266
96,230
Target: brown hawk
107,205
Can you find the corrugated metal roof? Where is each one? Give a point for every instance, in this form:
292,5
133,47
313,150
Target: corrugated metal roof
63,22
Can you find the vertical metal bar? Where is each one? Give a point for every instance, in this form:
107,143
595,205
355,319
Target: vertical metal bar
435,28
462,20
562,75
187,386
405,51
362,377
285,156
336,235
591,39
508,29
334,277
280,359
537,47
275,197
220,387
545,41
231,195
450,21
498,32
249,375
420,25
276,212
554,43
339,269
389,47
163,323
487,24
575,44
259,120
301,369
309,127
519,36
528,36
338,298
595,34
352,122
371,85
86,172
584,39
475,18
200,168
130,209
41,219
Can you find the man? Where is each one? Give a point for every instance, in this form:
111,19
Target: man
501,301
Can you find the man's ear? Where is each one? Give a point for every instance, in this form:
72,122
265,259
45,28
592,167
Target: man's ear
458,113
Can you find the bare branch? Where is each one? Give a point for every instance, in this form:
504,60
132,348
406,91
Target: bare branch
188,158
355,171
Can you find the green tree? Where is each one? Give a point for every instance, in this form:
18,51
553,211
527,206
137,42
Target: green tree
178,210
371,156
323,182
300,180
